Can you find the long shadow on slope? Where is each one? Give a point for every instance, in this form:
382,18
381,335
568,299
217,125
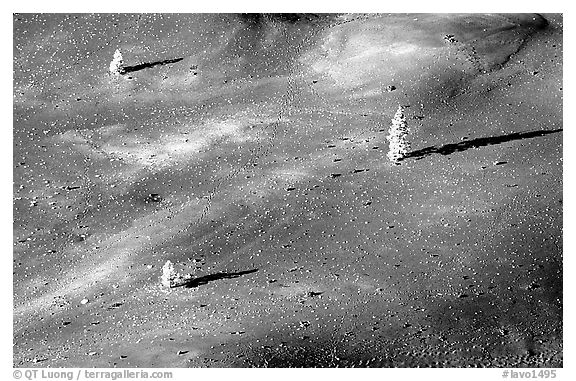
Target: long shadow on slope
195,282
449,149
130,69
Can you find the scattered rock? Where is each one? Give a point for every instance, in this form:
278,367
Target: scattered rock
153,197
503,332
390,88
533,286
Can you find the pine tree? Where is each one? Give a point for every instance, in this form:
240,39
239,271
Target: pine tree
169,275
170,278
117,64
397,135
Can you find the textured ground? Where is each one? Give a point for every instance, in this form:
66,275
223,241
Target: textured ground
265,150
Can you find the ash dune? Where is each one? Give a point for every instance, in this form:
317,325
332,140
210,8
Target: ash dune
261,139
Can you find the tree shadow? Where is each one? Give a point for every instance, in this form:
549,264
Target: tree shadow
130,69
195,282
449,149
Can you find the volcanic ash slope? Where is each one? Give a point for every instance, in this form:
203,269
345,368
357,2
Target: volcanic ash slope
251,152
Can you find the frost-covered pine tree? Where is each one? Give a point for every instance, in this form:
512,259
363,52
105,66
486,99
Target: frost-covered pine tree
397,135
169,275
117,64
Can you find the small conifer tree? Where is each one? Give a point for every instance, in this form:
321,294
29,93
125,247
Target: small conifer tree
397,135
169,275
117,64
